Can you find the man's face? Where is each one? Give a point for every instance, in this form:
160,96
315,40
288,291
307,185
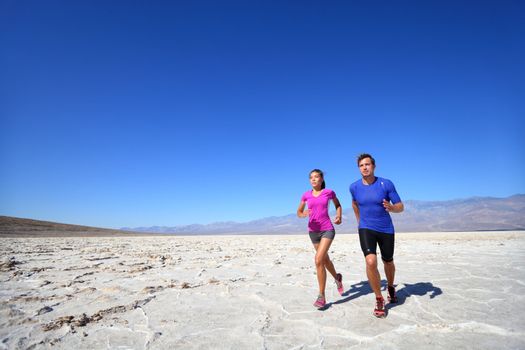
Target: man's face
366,167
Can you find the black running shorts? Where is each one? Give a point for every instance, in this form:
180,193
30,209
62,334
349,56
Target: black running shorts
369,240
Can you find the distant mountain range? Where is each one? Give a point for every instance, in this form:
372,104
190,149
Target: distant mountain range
471,214
19,227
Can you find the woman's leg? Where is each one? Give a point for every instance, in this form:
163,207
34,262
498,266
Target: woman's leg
321,257
328,263
330,266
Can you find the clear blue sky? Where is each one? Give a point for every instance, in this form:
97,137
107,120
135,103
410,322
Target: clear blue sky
139,113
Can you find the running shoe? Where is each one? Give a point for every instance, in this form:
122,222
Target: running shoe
379,311
392,297
339,283
320,302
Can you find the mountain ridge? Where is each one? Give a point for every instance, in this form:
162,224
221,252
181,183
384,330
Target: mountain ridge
462,214
22,227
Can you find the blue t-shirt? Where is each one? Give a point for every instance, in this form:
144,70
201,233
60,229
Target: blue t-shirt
369,198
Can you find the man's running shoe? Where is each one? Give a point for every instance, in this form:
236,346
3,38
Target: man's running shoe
339,283
320,302
379,311
392,297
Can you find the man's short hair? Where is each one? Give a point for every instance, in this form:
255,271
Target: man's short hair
365,155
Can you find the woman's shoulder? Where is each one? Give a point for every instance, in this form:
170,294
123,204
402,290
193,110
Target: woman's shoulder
328,191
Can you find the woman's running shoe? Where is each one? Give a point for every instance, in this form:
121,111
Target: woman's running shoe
339,283
379,311
320,302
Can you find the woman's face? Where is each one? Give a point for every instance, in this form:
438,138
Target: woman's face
316,179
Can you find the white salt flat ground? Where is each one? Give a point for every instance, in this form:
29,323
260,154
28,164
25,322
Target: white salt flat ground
456,291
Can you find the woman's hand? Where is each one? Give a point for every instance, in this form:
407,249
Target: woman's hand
304,214
338,220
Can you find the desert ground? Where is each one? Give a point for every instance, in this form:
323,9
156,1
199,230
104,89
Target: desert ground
456,291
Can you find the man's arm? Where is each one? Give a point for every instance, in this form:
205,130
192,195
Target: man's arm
394,197
356,210
393,208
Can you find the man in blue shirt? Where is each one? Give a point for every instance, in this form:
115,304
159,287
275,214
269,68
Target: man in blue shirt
373,199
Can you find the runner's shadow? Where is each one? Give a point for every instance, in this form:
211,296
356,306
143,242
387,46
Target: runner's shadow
420,289
356,290
363,288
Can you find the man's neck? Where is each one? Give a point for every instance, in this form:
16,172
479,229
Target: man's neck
368,180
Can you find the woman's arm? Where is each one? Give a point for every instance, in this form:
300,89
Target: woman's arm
338,211
301,212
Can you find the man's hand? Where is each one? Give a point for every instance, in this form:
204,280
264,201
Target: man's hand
388,206
393,208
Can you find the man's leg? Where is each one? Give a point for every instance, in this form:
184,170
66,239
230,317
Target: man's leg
368,242
375,283
373,274
386,244
390,272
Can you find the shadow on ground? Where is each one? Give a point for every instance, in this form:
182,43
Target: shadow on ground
363,288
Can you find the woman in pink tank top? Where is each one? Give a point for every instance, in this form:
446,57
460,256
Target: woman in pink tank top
321,230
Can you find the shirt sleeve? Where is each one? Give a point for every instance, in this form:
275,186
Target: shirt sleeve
352,192
392,193
332,195
303,198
